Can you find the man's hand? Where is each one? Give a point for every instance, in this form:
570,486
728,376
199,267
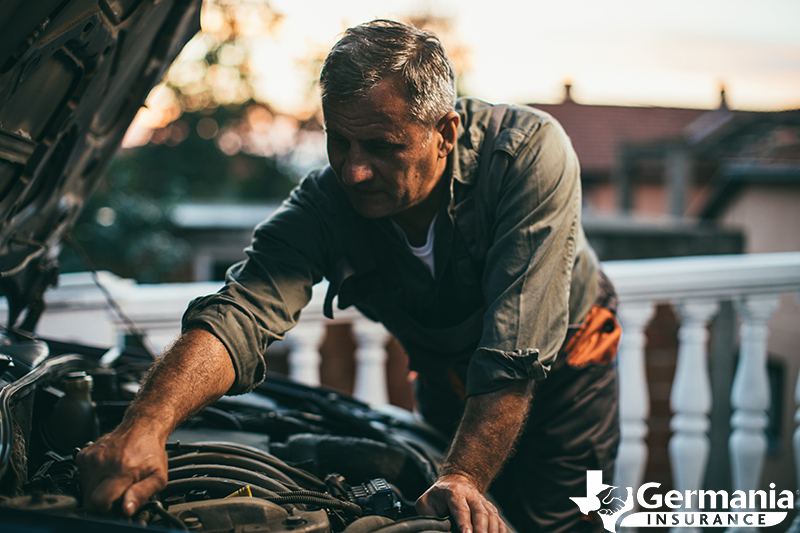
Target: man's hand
483,441
126,464
131,461
455,495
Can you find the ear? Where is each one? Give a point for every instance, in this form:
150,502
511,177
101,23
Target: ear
447,127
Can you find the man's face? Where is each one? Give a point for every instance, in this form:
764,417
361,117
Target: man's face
385,161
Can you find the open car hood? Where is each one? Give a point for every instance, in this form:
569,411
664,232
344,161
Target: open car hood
73,74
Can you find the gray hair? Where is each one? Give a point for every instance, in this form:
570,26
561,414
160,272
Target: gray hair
369,52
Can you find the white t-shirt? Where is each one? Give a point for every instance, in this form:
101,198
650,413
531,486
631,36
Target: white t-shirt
424,252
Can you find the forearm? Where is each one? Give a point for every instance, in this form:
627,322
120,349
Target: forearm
130,463
487,433
193,373
484,440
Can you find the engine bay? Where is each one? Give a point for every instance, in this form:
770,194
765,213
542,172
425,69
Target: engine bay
284,457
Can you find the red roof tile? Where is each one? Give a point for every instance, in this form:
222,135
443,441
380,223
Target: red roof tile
598,130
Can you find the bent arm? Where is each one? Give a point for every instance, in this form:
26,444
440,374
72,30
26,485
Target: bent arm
534,206
487,433
220,351
528,276
131,462
484,440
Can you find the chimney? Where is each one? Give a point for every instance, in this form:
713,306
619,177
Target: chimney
567,92
723,104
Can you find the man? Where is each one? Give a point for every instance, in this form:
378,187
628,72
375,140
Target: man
468,249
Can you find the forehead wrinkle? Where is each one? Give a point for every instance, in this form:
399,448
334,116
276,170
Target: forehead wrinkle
366,126
388,94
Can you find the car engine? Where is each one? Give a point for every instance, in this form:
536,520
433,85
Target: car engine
284,457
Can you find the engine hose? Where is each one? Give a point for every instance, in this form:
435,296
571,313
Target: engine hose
221,487
233,460
221,415
251,453
416,525
158,508
417,458
227,472
368,524
311,493
278,463
331,503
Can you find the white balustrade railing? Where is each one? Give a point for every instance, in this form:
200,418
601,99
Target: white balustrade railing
796,445
371,361
691,396
634,398
750,395
695,286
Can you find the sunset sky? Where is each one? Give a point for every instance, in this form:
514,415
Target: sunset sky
640,52
676,53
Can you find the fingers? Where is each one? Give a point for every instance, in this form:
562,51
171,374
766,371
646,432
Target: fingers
480,518
496,524
139,493
122,467
483,516
100,486
99,497
468,508
465,517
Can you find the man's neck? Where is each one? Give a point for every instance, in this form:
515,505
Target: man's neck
416,220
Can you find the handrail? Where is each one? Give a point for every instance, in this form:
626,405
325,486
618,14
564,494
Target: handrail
704,276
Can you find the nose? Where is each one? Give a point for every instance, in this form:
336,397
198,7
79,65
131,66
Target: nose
356,169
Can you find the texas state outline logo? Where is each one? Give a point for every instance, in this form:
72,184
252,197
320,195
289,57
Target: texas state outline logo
690,508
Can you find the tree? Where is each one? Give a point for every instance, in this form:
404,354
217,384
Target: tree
207,144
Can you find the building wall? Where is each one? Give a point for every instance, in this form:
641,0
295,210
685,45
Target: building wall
769,216
601,198
649,199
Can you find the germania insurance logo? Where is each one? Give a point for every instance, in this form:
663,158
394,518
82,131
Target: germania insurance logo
691,508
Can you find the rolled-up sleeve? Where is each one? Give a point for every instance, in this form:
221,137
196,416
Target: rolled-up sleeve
528,270
264,294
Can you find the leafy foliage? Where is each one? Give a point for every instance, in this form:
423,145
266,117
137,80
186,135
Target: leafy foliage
126,228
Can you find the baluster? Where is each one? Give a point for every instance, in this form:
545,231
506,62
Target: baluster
634,400
795,527
690,398
750,395
370,383
304,356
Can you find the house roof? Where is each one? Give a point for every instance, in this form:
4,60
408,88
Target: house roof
736,174
598,131
752,147
718,127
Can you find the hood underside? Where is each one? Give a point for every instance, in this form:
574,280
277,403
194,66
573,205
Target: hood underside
73,74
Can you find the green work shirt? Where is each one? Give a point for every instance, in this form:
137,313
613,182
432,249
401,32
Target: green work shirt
496,309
